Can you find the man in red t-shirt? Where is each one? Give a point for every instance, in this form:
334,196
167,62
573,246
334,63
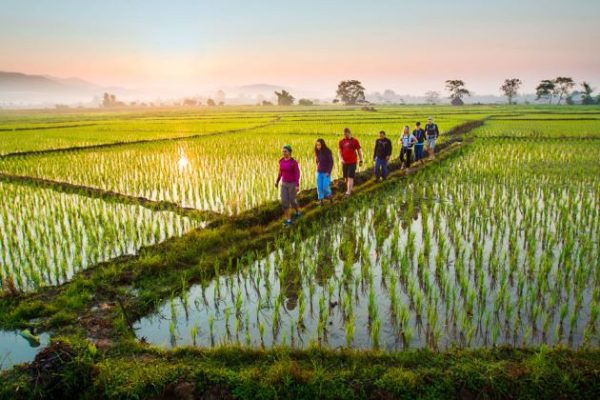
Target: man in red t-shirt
349,149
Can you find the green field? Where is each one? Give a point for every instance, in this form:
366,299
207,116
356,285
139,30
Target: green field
163,242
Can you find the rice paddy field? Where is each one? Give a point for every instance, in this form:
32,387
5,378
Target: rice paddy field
155,235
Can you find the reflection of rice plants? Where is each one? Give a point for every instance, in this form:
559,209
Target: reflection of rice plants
478,256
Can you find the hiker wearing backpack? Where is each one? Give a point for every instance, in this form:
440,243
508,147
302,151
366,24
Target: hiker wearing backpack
432,132
407,140
349,148
419,133
381,156
289,175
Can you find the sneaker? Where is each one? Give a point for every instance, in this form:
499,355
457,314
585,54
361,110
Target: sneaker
321,203
297,215
287,223
347,194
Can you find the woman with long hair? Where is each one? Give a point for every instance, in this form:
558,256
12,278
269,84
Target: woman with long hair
324,160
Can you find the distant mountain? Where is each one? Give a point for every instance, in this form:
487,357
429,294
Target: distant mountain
19,82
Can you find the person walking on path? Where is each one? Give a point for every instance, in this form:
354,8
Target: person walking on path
289,175
324,160
419,133
381,156
432,132
407,140
349,148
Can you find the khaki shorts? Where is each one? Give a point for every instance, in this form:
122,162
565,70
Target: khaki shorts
431,143
288,195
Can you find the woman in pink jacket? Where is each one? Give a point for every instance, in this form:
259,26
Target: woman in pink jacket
289,175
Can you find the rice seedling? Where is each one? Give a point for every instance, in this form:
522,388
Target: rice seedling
469,270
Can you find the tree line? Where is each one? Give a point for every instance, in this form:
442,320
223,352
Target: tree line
352,92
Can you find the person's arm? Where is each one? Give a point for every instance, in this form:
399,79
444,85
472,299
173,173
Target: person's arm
388,152
437,131
358,151
330,164
340,153
278,176
375,151
297,175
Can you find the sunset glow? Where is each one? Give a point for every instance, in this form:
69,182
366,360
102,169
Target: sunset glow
187,46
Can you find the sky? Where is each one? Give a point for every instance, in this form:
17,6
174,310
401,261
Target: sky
408,46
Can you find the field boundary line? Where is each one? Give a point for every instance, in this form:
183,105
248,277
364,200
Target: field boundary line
43,128
134,142
108,195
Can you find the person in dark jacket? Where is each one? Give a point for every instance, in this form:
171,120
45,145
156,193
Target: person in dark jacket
381,156
432,132
324,160
419,133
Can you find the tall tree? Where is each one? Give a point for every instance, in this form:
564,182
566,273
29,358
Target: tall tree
351,92
587,94
546,89
511,88
563,86
457,90
284,98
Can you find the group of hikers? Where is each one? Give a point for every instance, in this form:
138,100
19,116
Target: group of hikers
350,155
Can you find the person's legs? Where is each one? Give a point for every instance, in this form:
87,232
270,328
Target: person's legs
408,156
350,171
384,168
418,151
402,156
320,188
290,194
431,146
294,201
377,167
327,186
285,203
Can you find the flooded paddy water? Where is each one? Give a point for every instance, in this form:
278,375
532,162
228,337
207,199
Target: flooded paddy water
445,261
